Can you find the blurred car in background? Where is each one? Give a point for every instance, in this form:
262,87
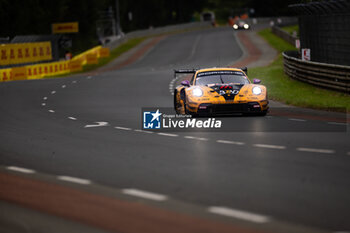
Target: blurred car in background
240,24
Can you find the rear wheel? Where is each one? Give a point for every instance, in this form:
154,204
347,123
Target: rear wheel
176,102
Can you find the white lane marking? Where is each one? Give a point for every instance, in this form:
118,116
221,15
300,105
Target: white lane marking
142,131
63,86
336,123
20,169
144,194
196,138
72,118
52,111
122,128
53,92
98,124
74,179
269,146
244,215
45,98
230,142
315,150
296,119
194,48
74,81
43,104
88,77
168,134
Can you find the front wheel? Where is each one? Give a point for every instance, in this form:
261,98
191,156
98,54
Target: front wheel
262,113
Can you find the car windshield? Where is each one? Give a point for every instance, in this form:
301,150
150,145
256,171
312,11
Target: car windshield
220,77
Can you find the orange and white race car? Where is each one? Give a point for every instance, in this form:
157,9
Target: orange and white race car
217,91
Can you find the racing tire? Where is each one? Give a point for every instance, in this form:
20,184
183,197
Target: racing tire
175,101
262,113
183,96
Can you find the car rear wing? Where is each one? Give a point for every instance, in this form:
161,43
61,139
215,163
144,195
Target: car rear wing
192,71
245,70
184,71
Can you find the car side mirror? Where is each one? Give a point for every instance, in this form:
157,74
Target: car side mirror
256,81
185,83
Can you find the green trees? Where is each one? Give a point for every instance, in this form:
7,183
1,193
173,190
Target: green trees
18,17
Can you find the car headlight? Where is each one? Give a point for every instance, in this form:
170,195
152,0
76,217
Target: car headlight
197,92
257,90
235,26
246,26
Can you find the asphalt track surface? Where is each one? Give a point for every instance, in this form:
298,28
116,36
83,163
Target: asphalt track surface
279,166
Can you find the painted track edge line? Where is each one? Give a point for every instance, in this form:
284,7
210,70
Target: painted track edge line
268,146
315,150
145,194
74,180
239,214
20,169
230,142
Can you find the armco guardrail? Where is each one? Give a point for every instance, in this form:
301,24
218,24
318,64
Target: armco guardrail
329,76
284,35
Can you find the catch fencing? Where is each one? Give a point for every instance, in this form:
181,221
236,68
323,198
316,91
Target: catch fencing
324,28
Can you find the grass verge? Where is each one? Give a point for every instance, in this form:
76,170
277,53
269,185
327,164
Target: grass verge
292,28
292,92
114,53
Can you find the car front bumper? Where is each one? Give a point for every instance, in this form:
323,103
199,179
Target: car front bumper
226,109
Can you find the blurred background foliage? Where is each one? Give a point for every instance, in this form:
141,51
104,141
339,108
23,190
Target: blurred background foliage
29,17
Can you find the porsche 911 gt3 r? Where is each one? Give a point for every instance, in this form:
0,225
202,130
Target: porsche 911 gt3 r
217,91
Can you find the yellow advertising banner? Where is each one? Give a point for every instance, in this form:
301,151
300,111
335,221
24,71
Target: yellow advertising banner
36,51
75,66
91,59
103,52
13,54
19,73
4,55
5,75
60,28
